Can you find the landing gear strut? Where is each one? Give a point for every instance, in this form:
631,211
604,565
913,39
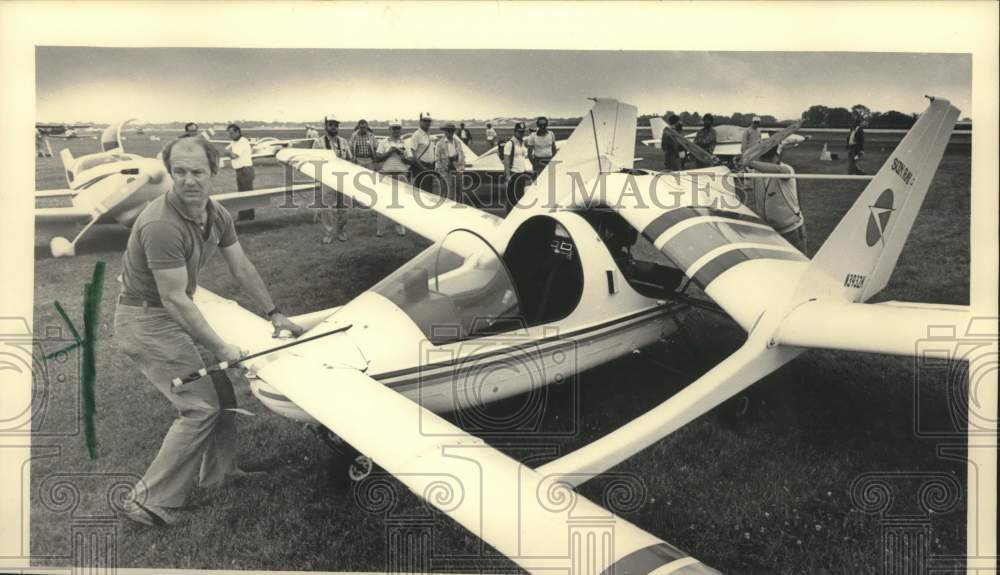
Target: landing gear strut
357,465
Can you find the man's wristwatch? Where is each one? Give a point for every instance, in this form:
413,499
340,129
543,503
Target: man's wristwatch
274,311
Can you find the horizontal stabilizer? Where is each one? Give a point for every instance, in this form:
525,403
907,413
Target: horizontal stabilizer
894,328
740,370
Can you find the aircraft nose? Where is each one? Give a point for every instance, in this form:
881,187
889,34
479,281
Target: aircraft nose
337,350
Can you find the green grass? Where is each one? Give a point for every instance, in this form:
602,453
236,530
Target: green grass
763,491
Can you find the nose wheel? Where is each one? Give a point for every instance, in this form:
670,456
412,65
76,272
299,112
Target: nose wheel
360,468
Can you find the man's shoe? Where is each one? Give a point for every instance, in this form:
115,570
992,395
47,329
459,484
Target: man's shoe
342,237
148,515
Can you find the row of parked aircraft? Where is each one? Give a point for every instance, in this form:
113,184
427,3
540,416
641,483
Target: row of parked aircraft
556,273
109,186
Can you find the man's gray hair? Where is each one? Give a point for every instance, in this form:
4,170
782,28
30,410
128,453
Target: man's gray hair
210,152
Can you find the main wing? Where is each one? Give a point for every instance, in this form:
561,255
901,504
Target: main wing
49,194
429,215
62,216
528,516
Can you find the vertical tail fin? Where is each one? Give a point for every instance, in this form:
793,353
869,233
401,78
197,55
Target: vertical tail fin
67,161
656,125
111,137
603,141
858,257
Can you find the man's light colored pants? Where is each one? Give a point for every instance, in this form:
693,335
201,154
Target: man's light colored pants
380,220
201,443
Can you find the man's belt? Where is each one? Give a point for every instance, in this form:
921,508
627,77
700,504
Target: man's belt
137,302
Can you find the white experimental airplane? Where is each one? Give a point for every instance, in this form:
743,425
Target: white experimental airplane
113,186
551,274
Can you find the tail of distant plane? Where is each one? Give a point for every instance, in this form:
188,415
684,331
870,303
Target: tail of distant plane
470,156
859,256
656,125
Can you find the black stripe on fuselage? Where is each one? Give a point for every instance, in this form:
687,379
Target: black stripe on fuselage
669,219
504,353
554,343
723,262
91,182
525,346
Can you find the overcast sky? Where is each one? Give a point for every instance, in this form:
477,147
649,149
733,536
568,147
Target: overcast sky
219,84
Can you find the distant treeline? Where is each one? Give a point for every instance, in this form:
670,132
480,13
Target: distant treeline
815,117
823,117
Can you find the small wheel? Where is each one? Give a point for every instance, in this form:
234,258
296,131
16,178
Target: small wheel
360,468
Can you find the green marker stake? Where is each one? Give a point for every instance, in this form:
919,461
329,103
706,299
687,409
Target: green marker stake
92,293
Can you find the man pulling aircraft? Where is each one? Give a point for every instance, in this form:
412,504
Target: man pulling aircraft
158,326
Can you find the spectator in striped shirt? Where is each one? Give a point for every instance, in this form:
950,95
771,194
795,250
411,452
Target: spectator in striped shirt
333,218
363,146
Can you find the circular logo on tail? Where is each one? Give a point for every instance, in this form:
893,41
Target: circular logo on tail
878,217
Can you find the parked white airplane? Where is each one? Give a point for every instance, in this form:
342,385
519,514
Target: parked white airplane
114,186
66,131
554,274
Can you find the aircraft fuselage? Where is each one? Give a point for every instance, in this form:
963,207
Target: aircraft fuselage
440,357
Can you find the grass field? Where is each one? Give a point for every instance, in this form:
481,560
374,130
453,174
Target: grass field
761,490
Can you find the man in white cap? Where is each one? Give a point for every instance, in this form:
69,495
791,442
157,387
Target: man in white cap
333,213
392,154
751,135
422,155
541,145
516,167
449,161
